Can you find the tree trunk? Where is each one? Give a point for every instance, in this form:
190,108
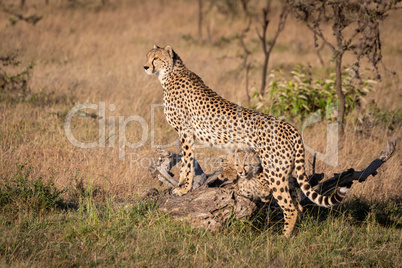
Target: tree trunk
263,39
214,198
338,53
341,96
247,52
200,19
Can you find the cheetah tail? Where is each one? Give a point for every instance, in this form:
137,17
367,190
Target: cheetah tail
321,200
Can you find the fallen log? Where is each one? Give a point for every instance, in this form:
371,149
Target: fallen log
214,198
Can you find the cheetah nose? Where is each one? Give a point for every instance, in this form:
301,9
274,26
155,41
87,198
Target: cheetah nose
146,67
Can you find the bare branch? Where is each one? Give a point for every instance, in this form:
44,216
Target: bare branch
247,53
349,176
319,33
281,25
200,19
33,19
263,39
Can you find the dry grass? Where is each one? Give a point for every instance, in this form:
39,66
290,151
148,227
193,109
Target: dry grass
95,54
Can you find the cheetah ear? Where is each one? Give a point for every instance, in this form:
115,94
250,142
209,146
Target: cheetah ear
169,51
155,47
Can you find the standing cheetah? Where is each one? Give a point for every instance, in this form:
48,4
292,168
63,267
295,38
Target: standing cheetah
197,112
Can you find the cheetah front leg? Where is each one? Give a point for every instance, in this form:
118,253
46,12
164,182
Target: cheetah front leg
187,170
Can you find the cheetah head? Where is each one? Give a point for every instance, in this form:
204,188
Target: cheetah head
247,164
159,61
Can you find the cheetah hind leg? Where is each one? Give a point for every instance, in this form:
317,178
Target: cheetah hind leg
290,211
293,194
286,202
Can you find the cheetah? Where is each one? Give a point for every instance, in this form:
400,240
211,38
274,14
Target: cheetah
197,112
249,178
247,164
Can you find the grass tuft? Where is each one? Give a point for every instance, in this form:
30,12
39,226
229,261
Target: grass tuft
37,195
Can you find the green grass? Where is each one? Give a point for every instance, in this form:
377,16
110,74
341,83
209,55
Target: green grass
80,230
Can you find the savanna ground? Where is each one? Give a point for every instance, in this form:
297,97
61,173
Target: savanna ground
90,53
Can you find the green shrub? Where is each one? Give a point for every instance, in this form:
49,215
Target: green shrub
21,193
389,118
301,94
14,85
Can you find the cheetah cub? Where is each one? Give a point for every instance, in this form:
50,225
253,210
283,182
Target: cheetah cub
248,168
249,172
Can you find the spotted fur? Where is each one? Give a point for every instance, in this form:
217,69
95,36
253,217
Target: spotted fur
247,164
197,112
250,176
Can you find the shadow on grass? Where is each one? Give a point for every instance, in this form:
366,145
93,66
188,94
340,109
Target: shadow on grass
385,214
269,216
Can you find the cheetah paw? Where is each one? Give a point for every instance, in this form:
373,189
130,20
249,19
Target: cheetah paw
178,191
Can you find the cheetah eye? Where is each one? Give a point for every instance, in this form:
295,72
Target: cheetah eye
153,61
